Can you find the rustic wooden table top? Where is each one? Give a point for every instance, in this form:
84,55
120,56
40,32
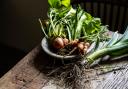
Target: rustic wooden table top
30,73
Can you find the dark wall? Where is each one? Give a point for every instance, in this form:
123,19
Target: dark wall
19,24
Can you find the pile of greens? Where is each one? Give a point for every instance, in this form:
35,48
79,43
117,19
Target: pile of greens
66,22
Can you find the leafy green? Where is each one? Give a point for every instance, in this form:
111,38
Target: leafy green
72,23
79,19
54,3
65,21
116,46
66,3
58,3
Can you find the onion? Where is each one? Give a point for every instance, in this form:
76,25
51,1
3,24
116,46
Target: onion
85,50
65,40
87,44
74,42
80,46
58,43
85,47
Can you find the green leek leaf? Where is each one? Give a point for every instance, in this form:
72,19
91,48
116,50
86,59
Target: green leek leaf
116,46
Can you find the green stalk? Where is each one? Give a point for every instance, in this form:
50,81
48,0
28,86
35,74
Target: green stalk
91,58
116,46
69,33
79,25
43,29
118,49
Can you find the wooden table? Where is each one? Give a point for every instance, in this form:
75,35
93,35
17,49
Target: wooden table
30,73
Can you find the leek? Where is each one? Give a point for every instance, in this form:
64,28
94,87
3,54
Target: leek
116,46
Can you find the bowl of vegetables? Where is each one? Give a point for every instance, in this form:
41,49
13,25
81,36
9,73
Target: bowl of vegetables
52,51
69,32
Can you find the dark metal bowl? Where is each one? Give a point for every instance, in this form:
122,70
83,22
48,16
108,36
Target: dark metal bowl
46,48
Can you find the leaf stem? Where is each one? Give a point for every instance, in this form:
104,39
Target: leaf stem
91,58
43,29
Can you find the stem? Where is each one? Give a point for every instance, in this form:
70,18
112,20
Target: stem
51,20
43,29
69,33
117,49
91,58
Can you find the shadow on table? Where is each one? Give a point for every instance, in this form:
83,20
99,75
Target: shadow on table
45,63
9,56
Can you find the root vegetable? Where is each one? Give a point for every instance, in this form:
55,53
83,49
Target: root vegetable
87,44
80,46
84,50
85,47
58,43
65,40
74,42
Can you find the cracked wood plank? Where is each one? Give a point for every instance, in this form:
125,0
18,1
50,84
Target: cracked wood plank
24,75
113,80
30,73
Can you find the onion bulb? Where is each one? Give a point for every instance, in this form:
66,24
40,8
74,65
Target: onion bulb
85,49
65,40
58,43
87,44
80,46
74,42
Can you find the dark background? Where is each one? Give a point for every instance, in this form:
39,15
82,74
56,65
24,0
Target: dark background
19,22
20,30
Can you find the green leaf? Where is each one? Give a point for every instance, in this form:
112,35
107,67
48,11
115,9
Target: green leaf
58,3
54,3
113,40
116,46
63,11
80,17
69,33
97,44
66,3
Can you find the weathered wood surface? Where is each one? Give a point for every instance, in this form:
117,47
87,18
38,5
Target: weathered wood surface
117,79
24,75
30,73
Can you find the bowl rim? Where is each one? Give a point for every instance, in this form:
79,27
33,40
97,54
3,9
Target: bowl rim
44,46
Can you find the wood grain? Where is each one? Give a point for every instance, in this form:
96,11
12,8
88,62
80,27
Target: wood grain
30,73
24,75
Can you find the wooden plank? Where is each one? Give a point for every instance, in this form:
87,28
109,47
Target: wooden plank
30,73
113,80
24,75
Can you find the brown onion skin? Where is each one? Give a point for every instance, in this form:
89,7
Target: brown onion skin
80,46
58,43
66,41
74,42
84,50
87,44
